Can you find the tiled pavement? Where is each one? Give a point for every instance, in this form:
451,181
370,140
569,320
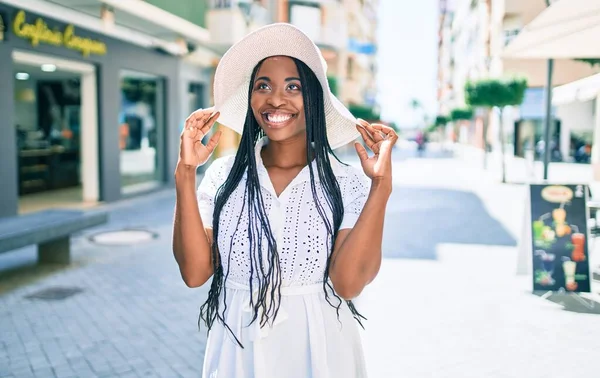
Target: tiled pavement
134,317
446,302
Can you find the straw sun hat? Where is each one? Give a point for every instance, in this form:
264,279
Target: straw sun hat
232,78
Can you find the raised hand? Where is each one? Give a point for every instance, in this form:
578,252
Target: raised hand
192,153
380,139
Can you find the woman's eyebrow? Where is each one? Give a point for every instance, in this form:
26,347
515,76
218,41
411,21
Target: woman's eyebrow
262,78
292,78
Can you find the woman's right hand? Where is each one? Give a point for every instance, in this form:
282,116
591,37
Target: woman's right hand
192,153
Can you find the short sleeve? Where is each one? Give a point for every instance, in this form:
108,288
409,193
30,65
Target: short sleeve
207,190
355,192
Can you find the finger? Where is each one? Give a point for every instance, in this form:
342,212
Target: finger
385,129
201,119
375,134
365,135
210,122
364,124
195,114
360,150
201,116
197,134
376,147
214,140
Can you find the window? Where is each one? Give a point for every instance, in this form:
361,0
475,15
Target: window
140,129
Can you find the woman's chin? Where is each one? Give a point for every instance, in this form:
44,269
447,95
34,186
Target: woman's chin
282,134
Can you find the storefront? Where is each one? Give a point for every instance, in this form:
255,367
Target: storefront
86,118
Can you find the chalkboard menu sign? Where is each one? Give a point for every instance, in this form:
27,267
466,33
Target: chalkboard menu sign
559,237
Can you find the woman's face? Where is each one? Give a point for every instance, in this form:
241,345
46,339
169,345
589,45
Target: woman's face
276,99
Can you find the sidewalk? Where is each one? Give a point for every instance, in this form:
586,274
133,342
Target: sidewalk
519,170
446,303
466,313
134,316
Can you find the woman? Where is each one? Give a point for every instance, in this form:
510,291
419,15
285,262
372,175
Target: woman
290,235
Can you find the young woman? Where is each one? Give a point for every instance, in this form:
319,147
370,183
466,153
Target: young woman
288,233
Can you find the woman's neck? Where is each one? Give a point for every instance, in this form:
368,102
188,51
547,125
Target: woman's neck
288,153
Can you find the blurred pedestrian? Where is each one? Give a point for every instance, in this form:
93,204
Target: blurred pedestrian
291,235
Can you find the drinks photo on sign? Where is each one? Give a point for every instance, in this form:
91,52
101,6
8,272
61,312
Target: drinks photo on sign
559,238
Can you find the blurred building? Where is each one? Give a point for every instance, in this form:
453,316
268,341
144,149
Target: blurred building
344,30
573,123
473,34
94,97
99,90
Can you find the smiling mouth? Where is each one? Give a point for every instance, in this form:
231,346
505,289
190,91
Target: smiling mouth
276,120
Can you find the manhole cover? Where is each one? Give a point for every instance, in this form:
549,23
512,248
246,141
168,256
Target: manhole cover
54,293
123,237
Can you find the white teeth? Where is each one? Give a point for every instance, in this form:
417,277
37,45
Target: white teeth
278,118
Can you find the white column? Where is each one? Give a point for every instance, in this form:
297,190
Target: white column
89,138
596,144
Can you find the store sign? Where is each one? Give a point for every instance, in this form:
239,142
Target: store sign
358,47
559,238
39,32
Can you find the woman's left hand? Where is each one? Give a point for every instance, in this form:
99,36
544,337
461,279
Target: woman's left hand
380,139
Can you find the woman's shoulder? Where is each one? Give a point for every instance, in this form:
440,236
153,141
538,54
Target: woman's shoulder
219,168
349,171
351,177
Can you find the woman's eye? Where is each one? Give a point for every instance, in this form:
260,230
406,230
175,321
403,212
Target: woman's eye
294,87
262,86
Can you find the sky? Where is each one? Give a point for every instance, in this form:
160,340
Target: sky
407,58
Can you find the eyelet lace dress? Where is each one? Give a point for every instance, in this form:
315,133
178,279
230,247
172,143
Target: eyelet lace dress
306,338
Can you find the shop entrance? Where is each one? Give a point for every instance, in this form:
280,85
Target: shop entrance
56,124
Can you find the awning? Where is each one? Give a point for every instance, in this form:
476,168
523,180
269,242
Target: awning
580,90
567,29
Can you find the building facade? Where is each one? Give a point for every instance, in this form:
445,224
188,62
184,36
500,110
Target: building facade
344,30
471,47
92,108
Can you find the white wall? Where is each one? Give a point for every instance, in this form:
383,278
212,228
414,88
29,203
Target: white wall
575,117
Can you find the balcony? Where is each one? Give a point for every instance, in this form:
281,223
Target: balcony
325,23
229,21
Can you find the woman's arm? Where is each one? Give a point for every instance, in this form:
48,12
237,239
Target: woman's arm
191,240
357,253
356,256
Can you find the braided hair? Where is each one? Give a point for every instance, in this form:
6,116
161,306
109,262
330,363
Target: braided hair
259,229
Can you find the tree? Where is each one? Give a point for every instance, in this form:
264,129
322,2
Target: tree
365,112
441,120
461,114
333,84
591,62
490,93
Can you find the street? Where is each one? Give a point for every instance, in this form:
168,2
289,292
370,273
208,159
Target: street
446,303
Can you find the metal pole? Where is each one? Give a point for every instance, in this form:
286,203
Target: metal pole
548,119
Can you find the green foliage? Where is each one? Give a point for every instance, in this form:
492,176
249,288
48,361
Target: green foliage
432,128
591,62
441,120
333,84
459,114
494,92
365,112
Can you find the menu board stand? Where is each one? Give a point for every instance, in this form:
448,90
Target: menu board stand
554,240
524,247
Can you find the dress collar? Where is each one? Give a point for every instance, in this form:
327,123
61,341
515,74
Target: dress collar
338,169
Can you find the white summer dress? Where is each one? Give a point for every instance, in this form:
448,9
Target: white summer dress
306,340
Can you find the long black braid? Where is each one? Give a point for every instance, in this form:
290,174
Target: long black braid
259,228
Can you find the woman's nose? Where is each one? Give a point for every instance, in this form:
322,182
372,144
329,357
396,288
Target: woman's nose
276,99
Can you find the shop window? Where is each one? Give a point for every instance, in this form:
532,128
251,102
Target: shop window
140,128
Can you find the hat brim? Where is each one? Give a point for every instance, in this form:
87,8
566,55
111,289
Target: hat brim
233,74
